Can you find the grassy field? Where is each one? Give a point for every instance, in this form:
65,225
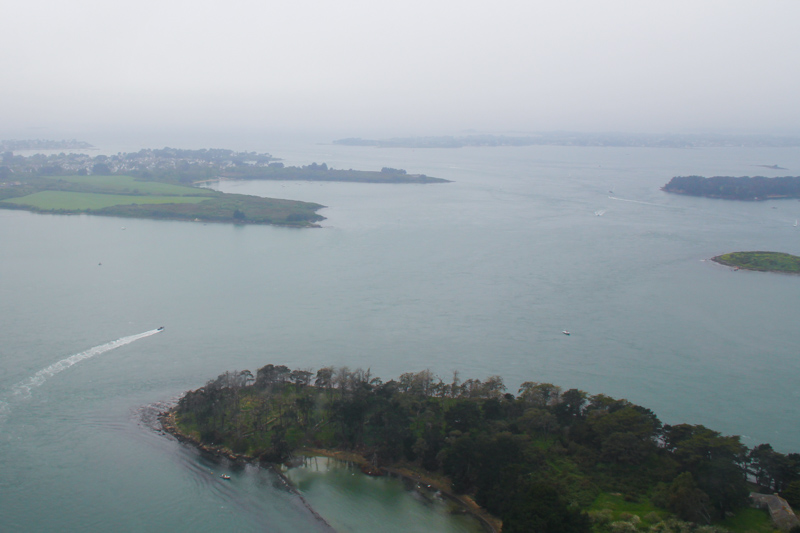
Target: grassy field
761,261
81,201
126,196
131,185
616,508
750,521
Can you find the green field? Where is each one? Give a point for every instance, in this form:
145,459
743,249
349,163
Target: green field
81,201
131,185
614,507
618,506
761,261
750,520
126,196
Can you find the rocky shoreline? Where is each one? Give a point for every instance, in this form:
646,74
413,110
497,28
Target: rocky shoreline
490,523
168,425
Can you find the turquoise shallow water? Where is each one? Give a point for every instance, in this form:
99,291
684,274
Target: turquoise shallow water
351,501
480,275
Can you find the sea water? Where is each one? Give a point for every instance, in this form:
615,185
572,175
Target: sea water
480,275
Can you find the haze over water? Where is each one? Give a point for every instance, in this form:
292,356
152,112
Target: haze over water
480,275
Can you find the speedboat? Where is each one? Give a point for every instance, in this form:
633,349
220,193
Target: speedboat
225,476
161,328
565,332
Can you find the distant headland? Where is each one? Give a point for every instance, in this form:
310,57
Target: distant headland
162,184
730,188
12,145
562,138
761,261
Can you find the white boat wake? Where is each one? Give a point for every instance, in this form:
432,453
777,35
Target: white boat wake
23,388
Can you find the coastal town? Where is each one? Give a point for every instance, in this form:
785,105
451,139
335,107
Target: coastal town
144,163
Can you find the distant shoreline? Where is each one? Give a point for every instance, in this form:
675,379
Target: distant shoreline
579,139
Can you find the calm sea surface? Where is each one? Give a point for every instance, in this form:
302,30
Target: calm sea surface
480,275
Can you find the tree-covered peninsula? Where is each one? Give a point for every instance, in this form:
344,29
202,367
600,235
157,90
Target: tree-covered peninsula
162,184
321,172
547,459
761,261
741,188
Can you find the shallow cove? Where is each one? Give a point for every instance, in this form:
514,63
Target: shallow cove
352,501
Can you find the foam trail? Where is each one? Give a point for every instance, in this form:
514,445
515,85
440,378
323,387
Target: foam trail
23,388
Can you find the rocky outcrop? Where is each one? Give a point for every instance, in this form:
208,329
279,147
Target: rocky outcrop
779,509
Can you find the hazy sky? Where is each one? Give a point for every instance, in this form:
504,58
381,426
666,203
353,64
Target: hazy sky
388,67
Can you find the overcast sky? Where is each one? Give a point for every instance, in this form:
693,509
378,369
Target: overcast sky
388,67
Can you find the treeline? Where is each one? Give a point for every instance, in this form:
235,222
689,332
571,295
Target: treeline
227,207
321,172
536,460
729,188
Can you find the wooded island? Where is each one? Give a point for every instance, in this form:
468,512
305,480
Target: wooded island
729,188
544,460
761,261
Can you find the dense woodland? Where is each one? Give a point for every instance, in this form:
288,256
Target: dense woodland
742,188
537,460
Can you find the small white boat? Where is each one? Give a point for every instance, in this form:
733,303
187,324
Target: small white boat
565,332
225,476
